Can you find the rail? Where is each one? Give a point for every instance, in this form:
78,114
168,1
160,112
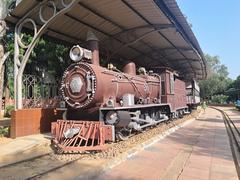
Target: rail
234,138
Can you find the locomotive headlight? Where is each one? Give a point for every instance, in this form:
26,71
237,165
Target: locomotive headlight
76,53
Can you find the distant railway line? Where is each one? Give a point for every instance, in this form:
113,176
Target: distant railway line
40,165
234,138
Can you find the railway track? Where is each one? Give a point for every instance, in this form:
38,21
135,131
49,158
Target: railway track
23,161
234,138
35,167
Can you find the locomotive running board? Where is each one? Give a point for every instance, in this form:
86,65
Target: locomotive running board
79,136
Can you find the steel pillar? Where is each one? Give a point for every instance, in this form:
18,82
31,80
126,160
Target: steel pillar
20,60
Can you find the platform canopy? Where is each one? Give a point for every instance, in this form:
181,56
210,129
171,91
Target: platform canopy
150,32
153,33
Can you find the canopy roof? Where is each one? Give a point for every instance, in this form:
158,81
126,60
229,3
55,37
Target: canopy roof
150,32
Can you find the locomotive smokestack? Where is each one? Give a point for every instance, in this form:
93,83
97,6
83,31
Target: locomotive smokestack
93,46
130,68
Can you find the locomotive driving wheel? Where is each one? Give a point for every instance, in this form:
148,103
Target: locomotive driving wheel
123,134
121,120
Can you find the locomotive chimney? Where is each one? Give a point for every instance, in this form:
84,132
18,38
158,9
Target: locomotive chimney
130,68
92,41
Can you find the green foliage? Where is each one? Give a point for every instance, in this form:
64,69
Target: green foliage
217,81
215,67
234,90
236,83
48,56
8,110
4,131
219,99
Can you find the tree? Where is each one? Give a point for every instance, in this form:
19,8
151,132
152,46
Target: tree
217,81
234,90
236,83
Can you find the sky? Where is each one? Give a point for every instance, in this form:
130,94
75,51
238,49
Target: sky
216,25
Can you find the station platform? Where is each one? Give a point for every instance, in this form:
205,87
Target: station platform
200,150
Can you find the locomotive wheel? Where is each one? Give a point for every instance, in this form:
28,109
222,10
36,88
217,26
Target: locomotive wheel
120,119
176,115
181,114
123,135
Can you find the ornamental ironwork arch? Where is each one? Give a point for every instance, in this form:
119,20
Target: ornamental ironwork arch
59,8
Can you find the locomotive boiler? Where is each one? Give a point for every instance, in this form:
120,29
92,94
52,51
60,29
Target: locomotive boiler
87,86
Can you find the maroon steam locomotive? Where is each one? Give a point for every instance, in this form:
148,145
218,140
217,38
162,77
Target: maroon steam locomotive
125,101
105,104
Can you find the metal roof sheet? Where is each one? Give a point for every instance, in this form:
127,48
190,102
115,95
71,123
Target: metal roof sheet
150,32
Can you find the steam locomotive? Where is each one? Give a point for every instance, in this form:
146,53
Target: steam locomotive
126,100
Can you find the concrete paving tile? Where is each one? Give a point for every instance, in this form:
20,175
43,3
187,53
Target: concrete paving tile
136,172
118,176
200,158
222,143
221,154
163,155
195,173
217,160
219,176
189,178
198,165
223,169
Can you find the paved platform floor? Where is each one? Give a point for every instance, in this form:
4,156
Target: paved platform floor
199,150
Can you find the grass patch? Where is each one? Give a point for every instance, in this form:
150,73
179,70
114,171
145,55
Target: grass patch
4,131
8,110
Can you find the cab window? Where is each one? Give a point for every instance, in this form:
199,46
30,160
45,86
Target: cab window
171,83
